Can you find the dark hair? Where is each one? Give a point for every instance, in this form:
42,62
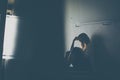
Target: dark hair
83,38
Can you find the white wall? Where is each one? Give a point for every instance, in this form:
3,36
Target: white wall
91,17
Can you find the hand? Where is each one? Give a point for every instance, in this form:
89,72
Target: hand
75,38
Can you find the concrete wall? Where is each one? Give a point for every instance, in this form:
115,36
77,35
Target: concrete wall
100,19
92,17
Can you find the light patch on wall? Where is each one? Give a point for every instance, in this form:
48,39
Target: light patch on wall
11,1
10,37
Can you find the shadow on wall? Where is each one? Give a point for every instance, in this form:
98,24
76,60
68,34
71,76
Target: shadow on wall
101,58
106,67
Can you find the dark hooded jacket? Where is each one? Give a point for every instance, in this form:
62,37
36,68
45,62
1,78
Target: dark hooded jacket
78,59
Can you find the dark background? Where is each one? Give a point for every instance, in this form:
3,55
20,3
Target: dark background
40,42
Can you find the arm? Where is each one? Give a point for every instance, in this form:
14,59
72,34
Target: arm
73,43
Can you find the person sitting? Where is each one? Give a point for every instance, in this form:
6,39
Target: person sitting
77,58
